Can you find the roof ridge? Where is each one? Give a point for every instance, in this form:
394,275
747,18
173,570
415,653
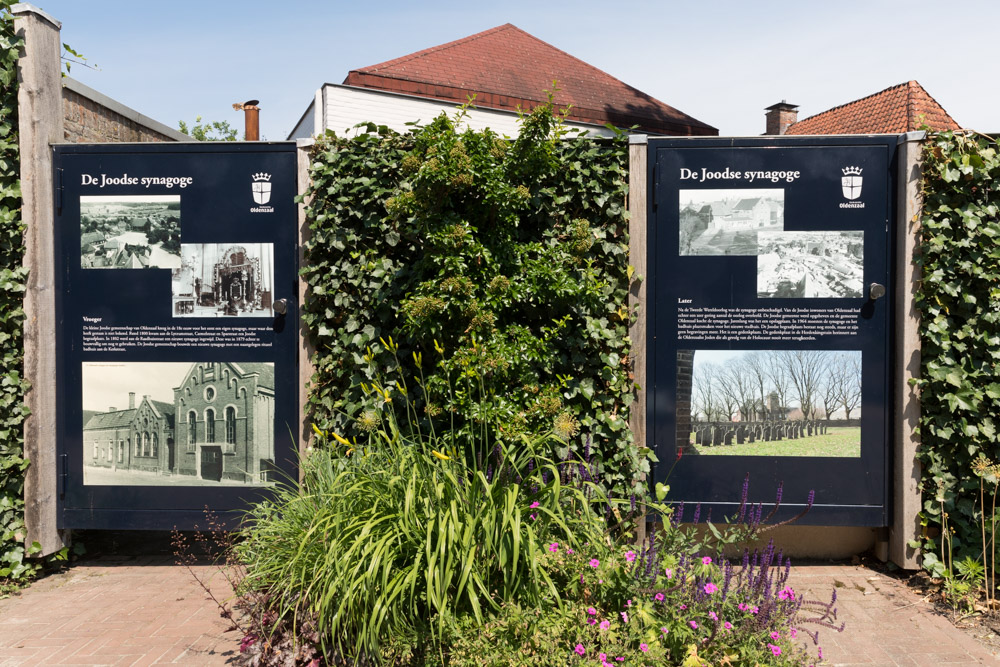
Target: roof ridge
860,99
911,102
373,69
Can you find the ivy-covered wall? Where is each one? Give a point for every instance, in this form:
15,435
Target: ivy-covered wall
12,280
501,263
959,303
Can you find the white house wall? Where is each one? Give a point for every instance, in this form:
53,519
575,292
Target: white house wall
346,106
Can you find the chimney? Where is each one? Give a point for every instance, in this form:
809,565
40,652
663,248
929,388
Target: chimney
131,400
779,116
251,119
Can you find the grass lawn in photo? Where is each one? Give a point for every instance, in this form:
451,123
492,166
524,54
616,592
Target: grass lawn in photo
838,441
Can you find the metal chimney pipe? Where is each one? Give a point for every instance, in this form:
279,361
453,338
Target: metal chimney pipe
251,119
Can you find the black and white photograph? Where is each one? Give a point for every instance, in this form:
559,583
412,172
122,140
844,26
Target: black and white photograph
810,265
770,402
178,424
130,232
224,280
726,221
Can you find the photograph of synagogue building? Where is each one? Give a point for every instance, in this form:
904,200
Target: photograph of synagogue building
218,429
726,222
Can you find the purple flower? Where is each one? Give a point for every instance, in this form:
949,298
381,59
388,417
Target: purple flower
579,649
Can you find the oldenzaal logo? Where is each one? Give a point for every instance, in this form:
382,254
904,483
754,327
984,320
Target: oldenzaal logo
850,184
261,187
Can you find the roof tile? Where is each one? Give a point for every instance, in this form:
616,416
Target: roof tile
507,68
902,108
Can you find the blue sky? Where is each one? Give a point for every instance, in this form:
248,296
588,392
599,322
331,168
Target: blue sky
721,62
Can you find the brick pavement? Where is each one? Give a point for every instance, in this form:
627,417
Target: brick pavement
144,610
113,610
887,623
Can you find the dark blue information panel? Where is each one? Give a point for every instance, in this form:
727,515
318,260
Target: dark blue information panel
177,379
769,305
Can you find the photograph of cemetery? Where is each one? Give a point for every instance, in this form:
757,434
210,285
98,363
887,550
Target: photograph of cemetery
770,402
727,222
223,280
130,232
810,264
178,424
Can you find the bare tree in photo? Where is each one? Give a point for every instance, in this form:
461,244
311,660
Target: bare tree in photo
805,369
705,390
741,387
847,377
757,371
781,383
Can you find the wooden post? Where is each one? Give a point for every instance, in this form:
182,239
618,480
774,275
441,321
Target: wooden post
906,409
306,370
39,100
637,291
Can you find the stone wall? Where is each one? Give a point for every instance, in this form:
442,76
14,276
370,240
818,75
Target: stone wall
91,117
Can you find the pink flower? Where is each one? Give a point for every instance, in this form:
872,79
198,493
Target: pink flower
624,617
658,597
532,516
786,593
664,630
605,625
693,624
591,621
579,649
754,609
776,650
670,573
727,625
742,607
594,562
534,505
554,547
793,633
643,647
707,560
630,556
591,611
628,603
711,588
569,551
819,652
683,607
620,659
602,657
775,636
712,615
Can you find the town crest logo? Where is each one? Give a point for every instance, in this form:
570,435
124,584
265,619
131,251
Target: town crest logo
261,187
850,182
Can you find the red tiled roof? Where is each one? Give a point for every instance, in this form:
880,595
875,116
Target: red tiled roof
506,68
903,108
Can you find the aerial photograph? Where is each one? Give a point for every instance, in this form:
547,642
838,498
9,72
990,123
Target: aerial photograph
130,232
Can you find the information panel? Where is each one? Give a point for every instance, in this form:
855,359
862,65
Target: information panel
769,303
177,383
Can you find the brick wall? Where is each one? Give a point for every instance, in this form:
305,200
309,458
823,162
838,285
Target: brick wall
91,117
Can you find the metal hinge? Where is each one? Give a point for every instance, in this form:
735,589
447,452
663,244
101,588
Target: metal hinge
63,474
59,190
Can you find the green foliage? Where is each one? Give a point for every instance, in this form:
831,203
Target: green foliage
214,131
394,538
13,551
509,255
959,303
